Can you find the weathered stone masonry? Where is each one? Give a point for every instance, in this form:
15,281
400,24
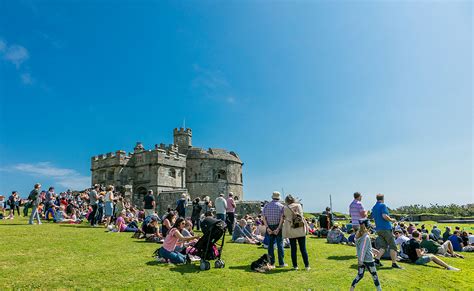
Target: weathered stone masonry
170,171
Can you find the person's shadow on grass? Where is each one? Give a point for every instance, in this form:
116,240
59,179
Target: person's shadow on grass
76,225
246,268
342,258
182,269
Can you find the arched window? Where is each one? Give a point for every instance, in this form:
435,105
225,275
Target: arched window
172,173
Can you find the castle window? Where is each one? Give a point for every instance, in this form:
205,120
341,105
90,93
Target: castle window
172,173
241,178
110,175
221,175
195,176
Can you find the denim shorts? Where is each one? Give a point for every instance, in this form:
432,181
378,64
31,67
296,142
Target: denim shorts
423,260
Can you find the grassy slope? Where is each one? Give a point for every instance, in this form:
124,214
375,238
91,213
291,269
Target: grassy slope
76,256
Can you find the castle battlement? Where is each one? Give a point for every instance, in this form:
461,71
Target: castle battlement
175,167
182,130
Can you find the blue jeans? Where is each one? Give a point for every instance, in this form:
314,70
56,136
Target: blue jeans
220,216
279,241
34,214
304,253
174,257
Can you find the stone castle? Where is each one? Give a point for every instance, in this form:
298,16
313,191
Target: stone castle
170,171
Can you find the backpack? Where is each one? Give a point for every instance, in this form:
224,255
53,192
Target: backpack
406,247
297,219
323,221
33,195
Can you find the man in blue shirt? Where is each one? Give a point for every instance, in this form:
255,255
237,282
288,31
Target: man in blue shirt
383,226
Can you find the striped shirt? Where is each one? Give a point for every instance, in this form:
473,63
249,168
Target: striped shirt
273,211
355,209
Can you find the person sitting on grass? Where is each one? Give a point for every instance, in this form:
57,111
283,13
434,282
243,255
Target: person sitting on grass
447,233
458,244
167,251
60,216
400,239
151,228
351,238
418,256
436,233
168,222
312,226
446,249
336,236
241,234
365,256
122,226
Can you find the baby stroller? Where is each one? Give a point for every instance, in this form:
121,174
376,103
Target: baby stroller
213,230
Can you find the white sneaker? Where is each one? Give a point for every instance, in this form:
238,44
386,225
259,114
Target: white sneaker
452,269
308,268
295,268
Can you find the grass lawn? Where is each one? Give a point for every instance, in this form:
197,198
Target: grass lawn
77,256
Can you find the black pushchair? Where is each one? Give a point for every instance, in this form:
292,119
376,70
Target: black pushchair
213,230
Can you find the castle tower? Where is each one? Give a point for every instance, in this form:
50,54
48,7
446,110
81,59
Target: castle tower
183,139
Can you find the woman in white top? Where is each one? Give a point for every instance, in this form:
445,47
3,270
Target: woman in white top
109,204
295,229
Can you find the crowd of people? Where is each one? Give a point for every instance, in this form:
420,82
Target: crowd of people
280,224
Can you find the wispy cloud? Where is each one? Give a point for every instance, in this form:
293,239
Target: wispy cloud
67,178
26,78
212,84
16,55
53,41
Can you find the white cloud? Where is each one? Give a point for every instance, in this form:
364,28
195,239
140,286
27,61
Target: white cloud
16,54
68,178
212,84
26,78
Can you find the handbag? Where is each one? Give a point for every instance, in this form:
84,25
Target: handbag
297,220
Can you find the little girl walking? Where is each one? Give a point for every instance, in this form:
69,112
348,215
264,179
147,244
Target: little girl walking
365,255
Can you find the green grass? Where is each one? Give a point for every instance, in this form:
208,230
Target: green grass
76,256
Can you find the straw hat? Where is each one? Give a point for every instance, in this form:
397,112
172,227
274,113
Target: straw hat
276,195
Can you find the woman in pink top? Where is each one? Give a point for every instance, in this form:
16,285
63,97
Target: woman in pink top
167,251
122,225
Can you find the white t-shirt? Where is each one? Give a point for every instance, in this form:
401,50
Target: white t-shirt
401,239
221,205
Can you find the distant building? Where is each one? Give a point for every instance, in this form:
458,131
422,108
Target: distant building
170,171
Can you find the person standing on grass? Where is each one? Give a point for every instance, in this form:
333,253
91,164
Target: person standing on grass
181,206
11,202
196,214
365,256
273,220
150,203
93,197
35,199
221,206
295,229
357,211
383,226
230,212
418,255
109,204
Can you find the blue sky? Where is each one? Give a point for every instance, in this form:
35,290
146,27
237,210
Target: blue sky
317,97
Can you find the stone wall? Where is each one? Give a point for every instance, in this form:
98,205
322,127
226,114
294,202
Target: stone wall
210,177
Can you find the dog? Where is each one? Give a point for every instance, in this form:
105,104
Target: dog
261,265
